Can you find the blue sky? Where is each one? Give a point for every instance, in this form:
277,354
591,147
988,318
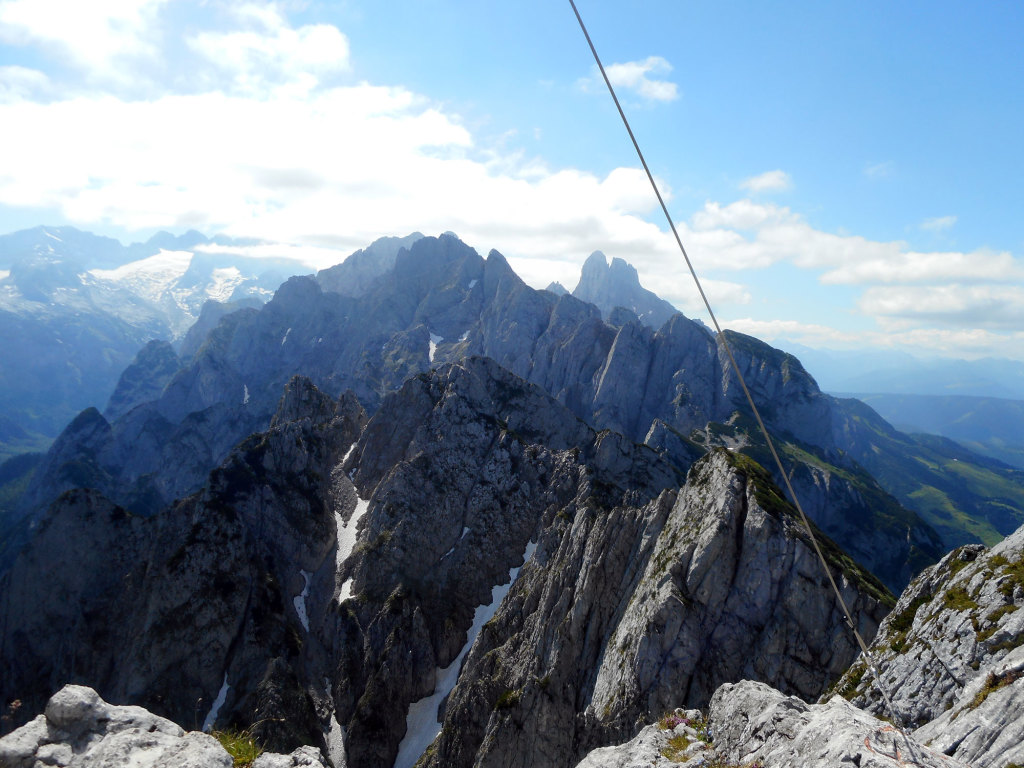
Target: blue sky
844,174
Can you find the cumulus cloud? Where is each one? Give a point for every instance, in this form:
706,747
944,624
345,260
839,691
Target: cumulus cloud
808,334
272,53
17,83
912,267
973,306
634,76
966,343
770,181
278,144
98,36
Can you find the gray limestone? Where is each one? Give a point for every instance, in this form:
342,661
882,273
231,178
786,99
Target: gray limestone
80,730
753,724
951,655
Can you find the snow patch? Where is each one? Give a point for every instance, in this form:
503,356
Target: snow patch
300,601
347,542
434,341
245,394
336,743
464,336
150,277
285,337
52,236
472,283
218,702
421,724
223,282
464,532
349,451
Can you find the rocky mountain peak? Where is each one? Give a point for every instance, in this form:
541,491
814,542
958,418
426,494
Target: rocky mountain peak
557,288
356,274
617,284
144,379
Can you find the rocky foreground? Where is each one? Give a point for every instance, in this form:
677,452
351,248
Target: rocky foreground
78,728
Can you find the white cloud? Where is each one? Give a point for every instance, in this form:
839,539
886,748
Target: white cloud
17,83
770,181
911,267
272,53
971,306
808,334
274,147
97,36
965,343
745,234
939,223
633,76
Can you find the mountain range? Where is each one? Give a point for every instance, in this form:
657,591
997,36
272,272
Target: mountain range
75,308
412,511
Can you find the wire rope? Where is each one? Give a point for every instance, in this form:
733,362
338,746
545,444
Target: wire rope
869,658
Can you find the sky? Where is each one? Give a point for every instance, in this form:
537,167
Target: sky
843,175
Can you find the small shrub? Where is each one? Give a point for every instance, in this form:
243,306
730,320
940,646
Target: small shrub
957,599
240,745
508,699
676,748
992,684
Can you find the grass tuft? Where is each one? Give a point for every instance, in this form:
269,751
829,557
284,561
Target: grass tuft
240,745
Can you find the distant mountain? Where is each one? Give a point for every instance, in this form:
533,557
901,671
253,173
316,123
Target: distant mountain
84,248
987,425
355,275
964,496
616,284
75,308
890,372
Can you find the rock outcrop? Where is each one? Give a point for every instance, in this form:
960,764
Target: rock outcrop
80,730
753,724
750,725
951,655
169,611
357,274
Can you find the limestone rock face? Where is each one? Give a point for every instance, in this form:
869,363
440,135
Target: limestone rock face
752,723
628,609
144,379
170,610
356,274
951,655
79,730
733,590
334,571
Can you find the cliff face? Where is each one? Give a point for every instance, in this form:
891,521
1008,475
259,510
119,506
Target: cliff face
331,579
624,612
